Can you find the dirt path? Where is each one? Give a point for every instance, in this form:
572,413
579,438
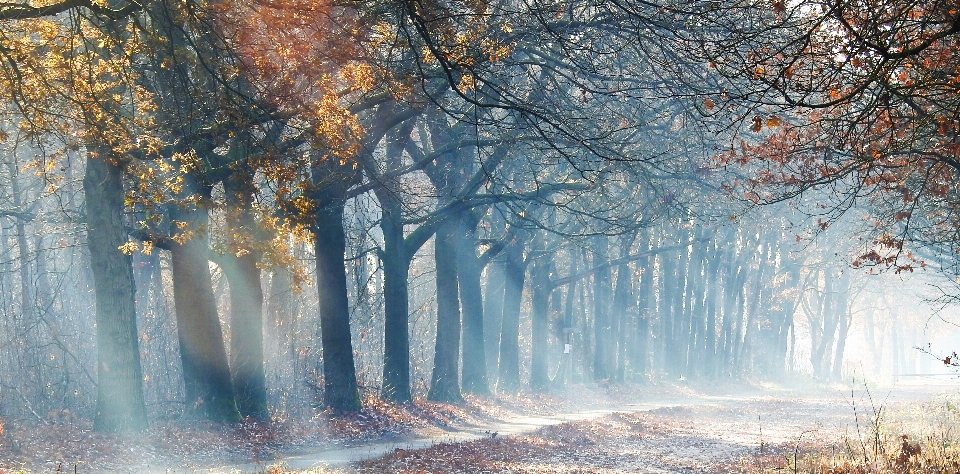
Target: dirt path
697,433
638,428
512,427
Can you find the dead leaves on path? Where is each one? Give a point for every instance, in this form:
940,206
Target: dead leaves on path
41,447
621,442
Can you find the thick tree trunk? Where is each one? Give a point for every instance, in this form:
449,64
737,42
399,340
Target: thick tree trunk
339,372
246,300
206,373
603,343
396,339
474,358
621,308
493,317
514,272
444,383
120,403
540,314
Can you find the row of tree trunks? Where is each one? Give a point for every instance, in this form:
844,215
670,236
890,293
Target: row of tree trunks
705,311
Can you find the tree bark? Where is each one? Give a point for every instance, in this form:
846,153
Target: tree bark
339,372
493,317
646,306
620,310
826,327
540,315
843,315
246,299
206,373
514,272
712,296
670,313
601,314
396,339
120,403
444,383
474,377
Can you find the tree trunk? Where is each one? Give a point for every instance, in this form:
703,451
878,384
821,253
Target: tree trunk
843,315
646,305
733,280
206,373
444,383
339,372
670,313
696,289
540,313
396,339
120,403
757,299
712,297
621,303
603,346
827,325
682,326
493,316
569,322
514,272
474,357
246,300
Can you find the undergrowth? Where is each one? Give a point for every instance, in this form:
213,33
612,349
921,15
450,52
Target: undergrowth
920,438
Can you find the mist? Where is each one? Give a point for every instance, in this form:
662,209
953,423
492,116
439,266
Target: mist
233,234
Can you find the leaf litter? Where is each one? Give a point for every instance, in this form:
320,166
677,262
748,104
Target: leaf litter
719,435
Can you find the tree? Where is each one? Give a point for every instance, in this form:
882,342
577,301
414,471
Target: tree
120,404
332,180
861,103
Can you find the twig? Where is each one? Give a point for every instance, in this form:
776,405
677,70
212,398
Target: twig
30,407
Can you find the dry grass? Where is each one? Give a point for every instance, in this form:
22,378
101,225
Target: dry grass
917,438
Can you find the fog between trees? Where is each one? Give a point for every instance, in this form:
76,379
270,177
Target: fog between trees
237,209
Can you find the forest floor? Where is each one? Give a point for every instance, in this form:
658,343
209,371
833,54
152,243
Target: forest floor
586,428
